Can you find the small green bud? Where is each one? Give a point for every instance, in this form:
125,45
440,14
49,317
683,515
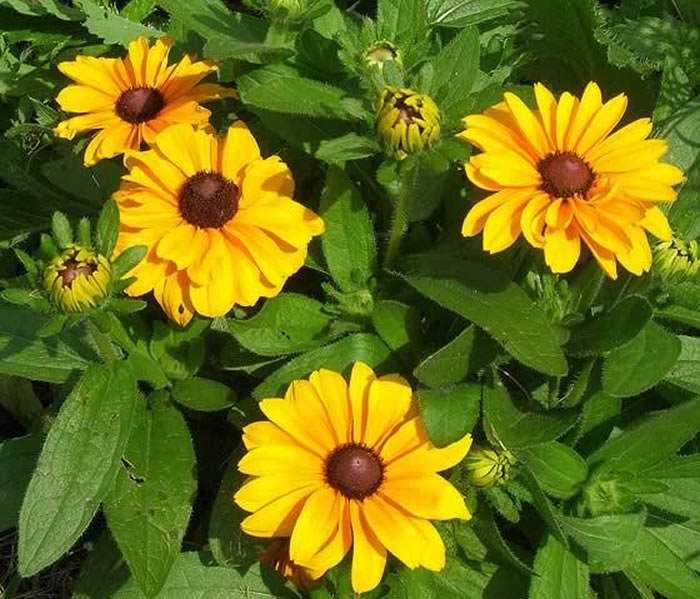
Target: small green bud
676,260
488,467
381,52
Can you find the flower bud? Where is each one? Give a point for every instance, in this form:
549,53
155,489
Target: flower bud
77,279
488,467
407,121
284,8
381,52
676,260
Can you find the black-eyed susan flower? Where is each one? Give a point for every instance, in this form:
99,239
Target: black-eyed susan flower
218,220
488,467
676,259
78,279
364,474
276,556
131,100
562,177
406,121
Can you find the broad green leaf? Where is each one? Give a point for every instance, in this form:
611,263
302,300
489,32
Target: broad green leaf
204,395
559,470
610,541
680,535
507,423
337,356
682,132
17,460
77,464
487,297
684,213
40,8
665,431
462,13
611,329
286,324
621,586
350,146
661,569
423,179
396,323
686,371
543,505
149,506
24,353
486,527
107,229
223,48
681,477
560,574
401,21
640,363
449,414
348,244
468,352
138,10
112,28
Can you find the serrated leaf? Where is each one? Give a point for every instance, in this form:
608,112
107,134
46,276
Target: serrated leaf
286,324
61,229
680,535
77,464
487,529
397,324
681,477
204,395
112,28
686,372
682,133
560,574
223,48
487,297
149,506
127,260
611,329
462,13
349,245
640,363
40,8
559,470
449,414
107,229
334,356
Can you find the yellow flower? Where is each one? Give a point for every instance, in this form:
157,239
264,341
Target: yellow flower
407,121
219,222
77,279
277,557
343,464
488,467
561,177
132,99
676,259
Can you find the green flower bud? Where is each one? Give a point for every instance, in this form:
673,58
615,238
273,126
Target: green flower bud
488,467
379,53
676,260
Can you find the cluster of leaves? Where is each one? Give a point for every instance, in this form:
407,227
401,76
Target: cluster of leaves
592,384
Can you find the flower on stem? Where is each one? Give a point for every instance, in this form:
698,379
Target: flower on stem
78,279
131,100
407,121
488,467
350,479
380,53
562,178
218,220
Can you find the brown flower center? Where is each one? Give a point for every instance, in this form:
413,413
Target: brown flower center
355,471
208,200
565,174
139,104
406,113
73,269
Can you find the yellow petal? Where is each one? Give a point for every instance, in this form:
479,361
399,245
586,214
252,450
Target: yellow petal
176,245
562,248
265,181
507,170
98,73
273,460
68,129
257,492
427,459
428,496
586,115
310,407
136,62
629,135
369,555
284,414
603,122
604,257
476,217
160,174
656,223
638,259
333,391
532,219
388,405
178,144
83,98
408,437
502,227
361,379
277,518
566,112
393,528
547,104
258,434
174,298
157,61
290,221
527,123
239,149
432,547
316,525
339,544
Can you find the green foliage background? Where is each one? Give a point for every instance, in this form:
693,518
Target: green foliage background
121,430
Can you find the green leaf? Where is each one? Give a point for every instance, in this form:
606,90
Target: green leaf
149,506
610,541
106,24
462,13
17,460
542,504
686,372
348,243
468,352
396,323
666,431
127,260
680,476
204,395
641,363
506,423
77,464
103,572
449,414
286,324
138,10
662,569
423,178
487,529
402,21
223,48
559,470
559,573
489,299
682,132
107,228
334,356
61,229
611,329
684,213
40,8
350,146
24,353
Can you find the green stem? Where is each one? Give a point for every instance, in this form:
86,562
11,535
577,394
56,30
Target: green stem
399,222
103,343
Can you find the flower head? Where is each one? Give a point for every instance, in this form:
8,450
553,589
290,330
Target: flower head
562,177
676,259
350,479
78,279
488,467
407,121
380,53
131,100
276,555
218,220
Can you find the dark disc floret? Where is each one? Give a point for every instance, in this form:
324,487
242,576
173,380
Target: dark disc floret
406,113
139,104
208,200
73,269
565,174
354,470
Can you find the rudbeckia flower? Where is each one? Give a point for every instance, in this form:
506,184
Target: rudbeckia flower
218,220
340,465
132,99
562,177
